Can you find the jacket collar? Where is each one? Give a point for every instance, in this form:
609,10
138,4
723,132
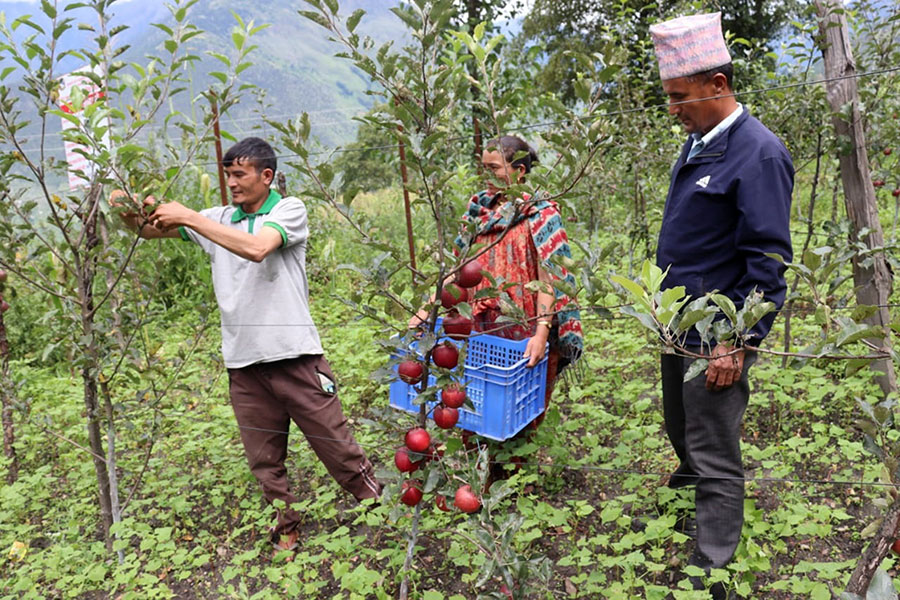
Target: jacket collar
239,214
717,146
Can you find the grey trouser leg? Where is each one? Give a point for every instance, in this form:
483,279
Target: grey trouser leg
705,430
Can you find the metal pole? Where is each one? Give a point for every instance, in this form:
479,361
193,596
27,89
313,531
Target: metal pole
215,114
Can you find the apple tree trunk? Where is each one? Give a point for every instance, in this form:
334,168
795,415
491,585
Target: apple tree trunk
90,366
9,432
872,279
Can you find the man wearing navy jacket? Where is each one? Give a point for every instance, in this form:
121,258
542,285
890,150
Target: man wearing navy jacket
728,206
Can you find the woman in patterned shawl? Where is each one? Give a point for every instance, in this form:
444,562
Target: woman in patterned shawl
523,236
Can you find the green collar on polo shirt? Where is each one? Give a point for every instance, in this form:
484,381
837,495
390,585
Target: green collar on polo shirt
266,208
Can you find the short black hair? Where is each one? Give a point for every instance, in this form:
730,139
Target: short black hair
515,151
727,70
255,151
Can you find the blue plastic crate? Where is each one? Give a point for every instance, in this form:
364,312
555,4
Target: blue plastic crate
505,394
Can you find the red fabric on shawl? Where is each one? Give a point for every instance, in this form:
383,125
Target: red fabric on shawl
515,259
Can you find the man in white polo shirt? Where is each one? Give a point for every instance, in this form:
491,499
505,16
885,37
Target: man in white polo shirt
276,368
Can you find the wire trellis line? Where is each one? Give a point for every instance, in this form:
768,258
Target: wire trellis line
625,111
589,118
389,448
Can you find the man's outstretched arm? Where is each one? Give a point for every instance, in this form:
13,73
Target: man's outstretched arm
254,247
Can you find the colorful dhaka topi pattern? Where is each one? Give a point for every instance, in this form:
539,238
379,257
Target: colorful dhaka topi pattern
689,45
549,237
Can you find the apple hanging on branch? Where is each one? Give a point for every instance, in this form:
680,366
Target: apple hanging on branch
411,371
453,294
403,462
445,355
411,492
466,500
470,274
445,417
457,327
453,396
417,440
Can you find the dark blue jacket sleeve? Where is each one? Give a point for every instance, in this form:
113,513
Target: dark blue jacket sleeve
764,204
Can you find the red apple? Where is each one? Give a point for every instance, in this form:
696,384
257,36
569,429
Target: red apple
457,327
2,275
403,462
453,396
445,356
441,503
505,591
411,492
878,183
417,439
445,417
452,295
411,371
465,500
896,546
470,275
896,193
887,151
4,306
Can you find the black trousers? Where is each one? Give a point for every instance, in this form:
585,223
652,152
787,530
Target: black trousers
704,428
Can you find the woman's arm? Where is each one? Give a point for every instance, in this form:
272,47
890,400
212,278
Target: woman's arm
546,298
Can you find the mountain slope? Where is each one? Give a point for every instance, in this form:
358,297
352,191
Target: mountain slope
294,64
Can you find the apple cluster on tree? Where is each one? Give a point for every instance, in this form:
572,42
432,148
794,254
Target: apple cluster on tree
418,447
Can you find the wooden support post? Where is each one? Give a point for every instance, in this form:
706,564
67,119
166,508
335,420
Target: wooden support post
223,190
873,281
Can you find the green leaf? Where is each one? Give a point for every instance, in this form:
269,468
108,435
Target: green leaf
479,31
583,90
881,587
49,9
238,37
697,367
671,296
221,57
353,20
811,260
315,18
727,306
636,290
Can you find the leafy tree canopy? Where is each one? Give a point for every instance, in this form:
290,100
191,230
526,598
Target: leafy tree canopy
565,26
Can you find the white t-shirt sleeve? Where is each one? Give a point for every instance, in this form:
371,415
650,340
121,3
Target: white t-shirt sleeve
219,214
289,217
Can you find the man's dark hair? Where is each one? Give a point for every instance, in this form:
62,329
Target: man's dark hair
254,151
727,70
515,151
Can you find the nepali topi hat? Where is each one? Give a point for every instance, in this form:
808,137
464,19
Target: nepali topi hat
689,45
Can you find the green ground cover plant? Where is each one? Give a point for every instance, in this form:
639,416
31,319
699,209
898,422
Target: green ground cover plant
584,513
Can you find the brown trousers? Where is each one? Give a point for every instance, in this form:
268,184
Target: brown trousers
266,397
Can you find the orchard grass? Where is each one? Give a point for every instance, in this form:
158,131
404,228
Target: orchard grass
595,506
